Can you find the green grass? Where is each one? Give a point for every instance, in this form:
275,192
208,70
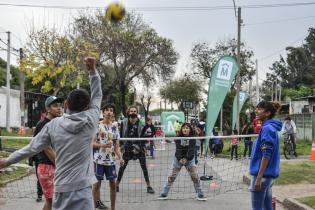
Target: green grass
303,147
14,143
296,172
4,154
14,175
5,133
309,201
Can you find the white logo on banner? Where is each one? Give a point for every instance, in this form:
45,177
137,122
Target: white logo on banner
170,122
225,70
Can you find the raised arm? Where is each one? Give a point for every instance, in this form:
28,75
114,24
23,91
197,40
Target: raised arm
38,143
96,90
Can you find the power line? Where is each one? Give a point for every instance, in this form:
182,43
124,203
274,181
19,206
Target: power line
152,9
3,42
12,48
279,20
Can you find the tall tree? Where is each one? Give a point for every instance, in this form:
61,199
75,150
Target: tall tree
297,71
14,74
54,61
204,58
180,90
130,49
146,100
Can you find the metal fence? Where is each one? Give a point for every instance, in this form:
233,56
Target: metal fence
305,124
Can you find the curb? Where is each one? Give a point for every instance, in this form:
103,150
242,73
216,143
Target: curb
292,204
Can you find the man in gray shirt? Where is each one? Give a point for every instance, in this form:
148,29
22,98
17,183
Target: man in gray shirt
71,138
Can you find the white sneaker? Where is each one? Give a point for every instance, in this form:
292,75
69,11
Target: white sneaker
162,197
201,198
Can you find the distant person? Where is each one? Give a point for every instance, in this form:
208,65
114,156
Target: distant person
248,143
177,127
200,132
149,131
289,130
234,145
256,123
265,159
217,145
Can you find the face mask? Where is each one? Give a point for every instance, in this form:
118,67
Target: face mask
133,116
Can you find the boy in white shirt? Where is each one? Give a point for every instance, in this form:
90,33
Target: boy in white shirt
105,148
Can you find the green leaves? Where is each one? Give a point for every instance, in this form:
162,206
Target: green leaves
130,51
53,60
204,58
297,71
181,90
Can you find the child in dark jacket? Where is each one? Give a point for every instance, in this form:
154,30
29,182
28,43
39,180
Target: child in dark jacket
184,156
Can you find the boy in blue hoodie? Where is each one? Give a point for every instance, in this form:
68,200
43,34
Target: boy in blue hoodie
71,138
265,159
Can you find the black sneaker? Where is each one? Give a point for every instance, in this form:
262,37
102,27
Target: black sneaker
100,205
39,199
201,197
150,190
163,197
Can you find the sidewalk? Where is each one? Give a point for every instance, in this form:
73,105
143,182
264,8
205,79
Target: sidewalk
293,191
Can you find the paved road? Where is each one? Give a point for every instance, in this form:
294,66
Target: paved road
225,191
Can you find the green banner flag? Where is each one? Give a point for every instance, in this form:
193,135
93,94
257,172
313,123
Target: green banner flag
168,120
222,76
243,98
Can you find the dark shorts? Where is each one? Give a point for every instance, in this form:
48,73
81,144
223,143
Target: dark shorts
108,171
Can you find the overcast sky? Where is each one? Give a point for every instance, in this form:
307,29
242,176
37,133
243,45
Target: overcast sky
267,31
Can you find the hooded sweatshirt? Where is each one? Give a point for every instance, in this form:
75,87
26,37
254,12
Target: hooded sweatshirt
71,138
267,145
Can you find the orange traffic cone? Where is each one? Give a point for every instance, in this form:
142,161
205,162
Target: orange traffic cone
312,156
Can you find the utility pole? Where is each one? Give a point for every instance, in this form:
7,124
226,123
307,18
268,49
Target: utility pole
257,84
8,82
276,90
250,92
22,86
238,79
280,91
272,91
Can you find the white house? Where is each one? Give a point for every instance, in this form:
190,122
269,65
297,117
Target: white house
15,110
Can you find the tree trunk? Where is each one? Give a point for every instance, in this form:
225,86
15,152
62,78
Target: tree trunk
122,89
56,91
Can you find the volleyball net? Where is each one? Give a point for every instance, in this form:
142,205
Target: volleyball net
218,174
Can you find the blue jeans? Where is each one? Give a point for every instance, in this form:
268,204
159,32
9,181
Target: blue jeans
196,154
192,170
262,200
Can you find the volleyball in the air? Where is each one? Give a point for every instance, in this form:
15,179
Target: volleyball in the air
115,12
